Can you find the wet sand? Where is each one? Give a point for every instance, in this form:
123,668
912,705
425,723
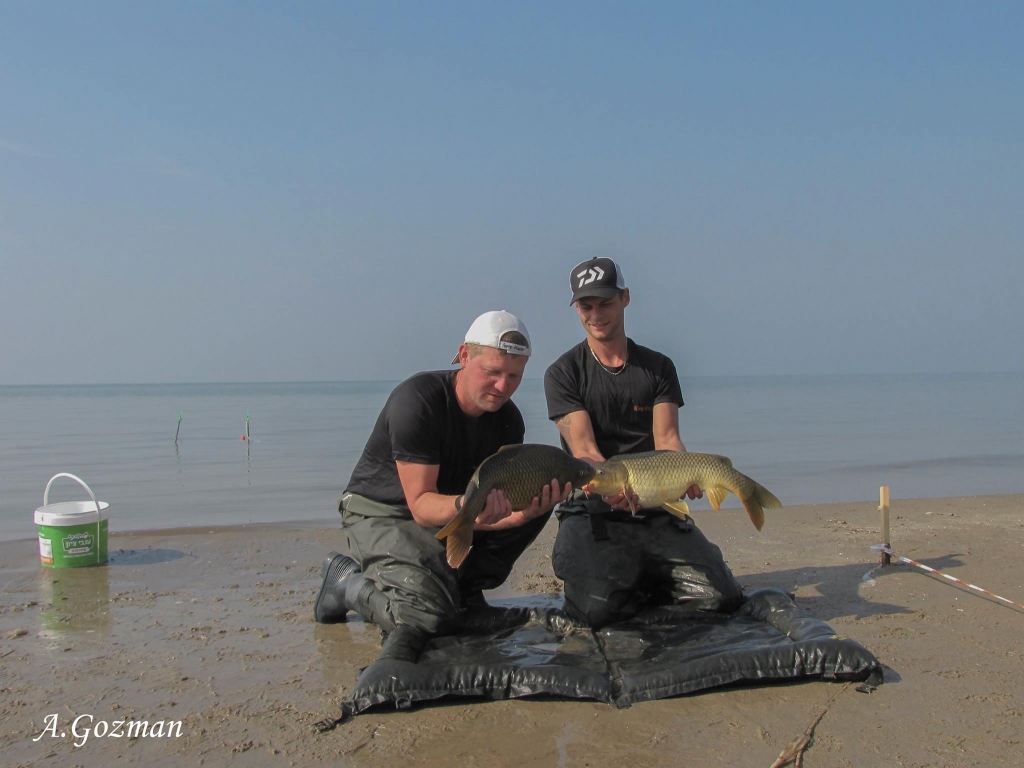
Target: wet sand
213,629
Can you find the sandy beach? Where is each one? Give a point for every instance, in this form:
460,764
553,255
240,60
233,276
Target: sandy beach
209,631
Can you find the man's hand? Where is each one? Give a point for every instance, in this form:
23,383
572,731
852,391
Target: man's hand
553,493
496,509
626,500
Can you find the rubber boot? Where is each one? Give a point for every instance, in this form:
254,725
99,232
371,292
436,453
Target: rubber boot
330,606
362,596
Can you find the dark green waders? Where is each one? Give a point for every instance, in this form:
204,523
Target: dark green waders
408,580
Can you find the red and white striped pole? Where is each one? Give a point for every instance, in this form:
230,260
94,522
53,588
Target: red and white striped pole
885,548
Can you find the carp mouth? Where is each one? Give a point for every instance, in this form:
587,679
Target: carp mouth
609,478
591,486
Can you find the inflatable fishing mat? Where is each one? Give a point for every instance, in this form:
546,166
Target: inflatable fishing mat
667,652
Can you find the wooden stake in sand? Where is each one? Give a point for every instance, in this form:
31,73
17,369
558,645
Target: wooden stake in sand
883,507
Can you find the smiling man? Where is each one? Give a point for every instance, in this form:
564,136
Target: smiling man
608,396
433,432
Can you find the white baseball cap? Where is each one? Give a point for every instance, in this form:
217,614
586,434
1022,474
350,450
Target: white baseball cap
489,329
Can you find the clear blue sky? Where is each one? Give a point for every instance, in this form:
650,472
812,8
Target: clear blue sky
321,191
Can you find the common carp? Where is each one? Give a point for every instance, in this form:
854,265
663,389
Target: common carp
659,478
518,471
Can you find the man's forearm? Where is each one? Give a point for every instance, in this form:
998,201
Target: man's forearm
669,444
581,444
433,510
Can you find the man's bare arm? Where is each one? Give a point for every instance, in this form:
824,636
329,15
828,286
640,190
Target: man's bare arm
666,428
578,432
432,509
419,483
666,437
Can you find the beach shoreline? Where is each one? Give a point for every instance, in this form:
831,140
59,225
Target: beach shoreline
324,522
211,627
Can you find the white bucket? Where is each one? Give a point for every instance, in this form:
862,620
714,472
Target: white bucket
72,533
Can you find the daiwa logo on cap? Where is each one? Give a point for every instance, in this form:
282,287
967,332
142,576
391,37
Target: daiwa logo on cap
588,276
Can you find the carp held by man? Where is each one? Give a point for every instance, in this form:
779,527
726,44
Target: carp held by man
660,478
518,471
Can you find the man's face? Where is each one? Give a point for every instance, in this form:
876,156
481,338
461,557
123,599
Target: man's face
603,319
490,378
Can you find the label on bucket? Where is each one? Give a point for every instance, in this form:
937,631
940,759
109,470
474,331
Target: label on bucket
79,543
71,547
45,551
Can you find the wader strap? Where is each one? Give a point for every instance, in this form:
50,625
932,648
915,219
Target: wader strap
355,504
598,527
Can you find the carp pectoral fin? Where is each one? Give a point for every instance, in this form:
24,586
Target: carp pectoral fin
629,501
510,445
678,508
716,495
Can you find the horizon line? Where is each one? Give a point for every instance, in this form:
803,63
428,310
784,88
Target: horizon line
858,374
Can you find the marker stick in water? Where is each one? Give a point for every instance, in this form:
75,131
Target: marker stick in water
180,413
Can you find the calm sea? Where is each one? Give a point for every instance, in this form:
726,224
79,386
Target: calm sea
810,439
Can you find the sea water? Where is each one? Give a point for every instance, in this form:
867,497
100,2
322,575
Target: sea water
810,439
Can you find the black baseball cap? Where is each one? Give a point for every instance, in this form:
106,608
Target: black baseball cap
599,277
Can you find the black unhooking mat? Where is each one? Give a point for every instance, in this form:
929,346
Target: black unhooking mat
666,652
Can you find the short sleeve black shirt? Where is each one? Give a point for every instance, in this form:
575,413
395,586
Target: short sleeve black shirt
422,423
621,407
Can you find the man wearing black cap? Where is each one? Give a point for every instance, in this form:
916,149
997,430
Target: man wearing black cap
608,396
433,432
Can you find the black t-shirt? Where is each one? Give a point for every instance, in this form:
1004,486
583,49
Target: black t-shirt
422,423
621,407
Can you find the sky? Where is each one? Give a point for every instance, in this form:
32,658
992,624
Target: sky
213,191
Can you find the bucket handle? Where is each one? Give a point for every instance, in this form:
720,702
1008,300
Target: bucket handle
81,482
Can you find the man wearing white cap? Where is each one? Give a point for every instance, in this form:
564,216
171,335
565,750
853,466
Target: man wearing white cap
433,432
608,396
